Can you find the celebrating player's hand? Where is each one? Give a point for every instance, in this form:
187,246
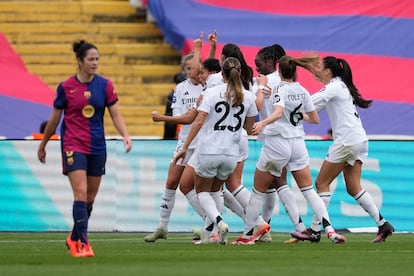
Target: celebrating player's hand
156,116
257,128
213,38
180,155
198,43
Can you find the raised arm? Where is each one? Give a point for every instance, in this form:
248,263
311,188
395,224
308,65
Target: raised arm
213,44
195,62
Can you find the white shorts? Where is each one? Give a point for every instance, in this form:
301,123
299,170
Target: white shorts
278,152
338,153
182,162
244,148
213,165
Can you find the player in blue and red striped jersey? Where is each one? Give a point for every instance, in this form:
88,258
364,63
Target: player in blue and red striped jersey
82,100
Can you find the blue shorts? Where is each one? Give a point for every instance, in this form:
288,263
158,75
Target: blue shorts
93,164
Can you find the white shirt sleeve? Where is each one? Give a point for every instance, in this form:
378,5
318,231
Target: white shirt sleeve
175,106
319,101
308,103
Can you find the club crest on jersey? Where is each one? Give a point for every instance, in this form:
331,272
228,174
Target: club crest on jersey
276,98
87,94
174,99
69,157
88,111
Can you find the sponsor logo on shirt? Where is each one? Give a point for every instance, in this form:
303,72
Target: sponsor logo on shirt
88,111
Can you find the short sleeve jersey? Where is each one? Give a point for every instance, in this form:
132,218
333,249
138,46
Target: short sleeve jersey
83,107
214,79
222,130
294,99
346,124
184,98
217,79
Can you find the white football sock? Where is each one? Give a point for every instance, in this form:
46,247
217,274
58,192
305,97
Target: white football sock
242,194
367,203
253,210
233,204
318,207
209,206
326,198
219,200
193,200
206,233
269,204
166,207
291,207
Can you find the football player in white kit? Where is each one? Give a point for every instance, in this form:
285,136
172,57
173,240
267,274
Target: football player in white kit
222,114
267,80
236,195
349,149
285,147
208,67
185,96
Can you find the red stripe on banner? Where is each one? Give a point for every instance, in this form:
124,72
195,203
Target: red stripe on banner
388,8
17,82
379,78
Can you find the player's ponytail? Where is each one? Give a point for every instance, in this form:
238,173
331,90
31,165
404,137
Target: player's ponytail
232,71
273,53
287,65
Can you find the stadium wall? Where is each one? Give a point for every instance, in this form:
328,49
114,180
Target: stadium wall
37,197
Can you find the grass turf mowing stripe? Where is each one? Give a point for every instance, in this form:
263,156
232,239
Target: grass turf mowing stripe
127,254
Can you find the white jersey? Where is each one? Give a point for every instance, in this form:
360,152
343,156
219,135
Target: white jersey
273,80
221,132
217,79
346,125
294,99
184,98
214,79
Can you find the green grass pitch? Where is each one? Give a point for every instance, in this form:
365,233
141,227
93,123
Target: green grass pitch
118,254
